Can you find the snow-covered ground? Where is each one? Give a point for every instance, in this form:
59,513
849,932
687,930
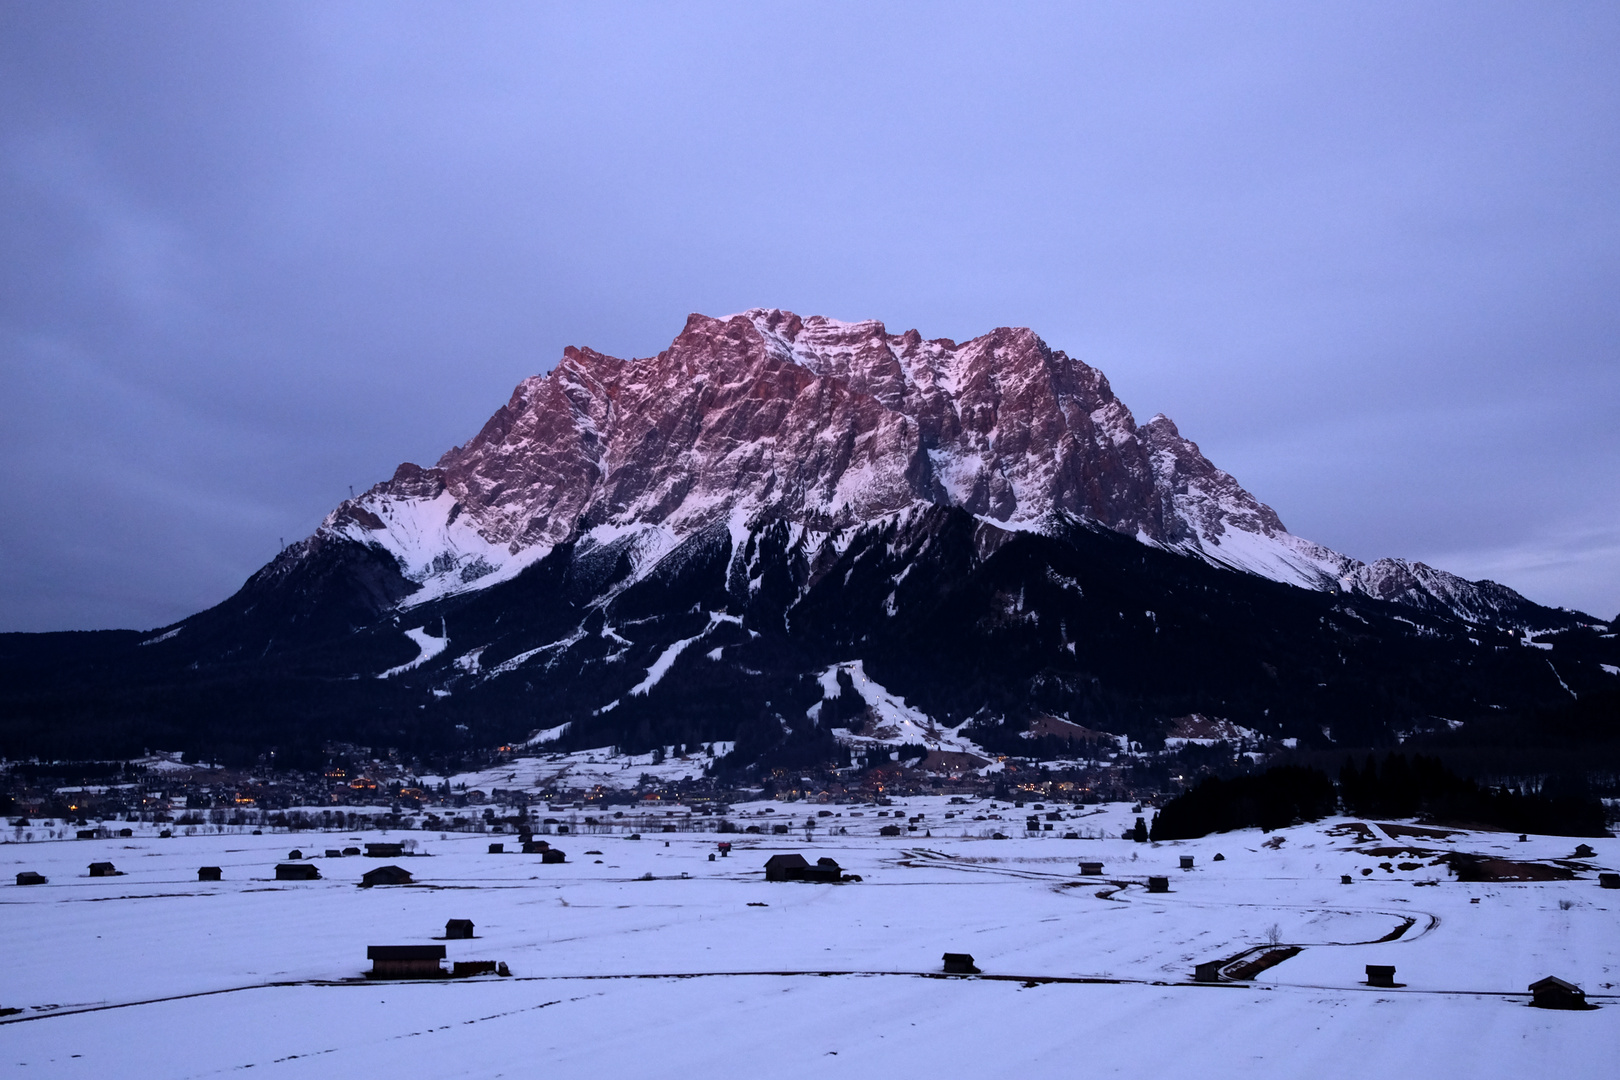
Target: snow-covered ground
585,769
153,974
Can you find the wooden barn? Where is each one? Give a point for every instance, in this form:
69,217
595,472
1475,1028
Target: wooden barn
794,867
297,872
960,963
385,875
30,877
1555,993
385,851
103,869
458,928
208,873
405,961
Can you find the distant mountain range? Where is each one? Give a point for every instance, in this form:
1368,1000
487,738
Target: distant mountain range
714,542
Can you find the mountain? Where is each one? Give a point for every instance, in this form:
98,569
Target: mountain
808,537
830,425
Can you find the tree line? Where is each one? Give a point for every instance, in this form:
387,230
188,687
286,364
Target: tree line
1421,787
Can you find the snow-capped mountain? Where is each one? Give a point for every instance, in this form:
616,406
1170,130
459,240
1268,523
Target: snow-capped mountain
809,539
827,425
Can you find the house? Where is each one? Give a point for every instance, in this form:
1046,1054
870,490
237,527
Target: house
553,855
295,853
1208,971
333,853
824,870
1186,862
29,877
1381,975
889,830
385,875
960,963
405,961
796,868
535,847
385,851
351,851
1158,884
497,849
1584,851
458,928
1609,881
1090,869
785,867
1555,993
102,869
297,872
208,873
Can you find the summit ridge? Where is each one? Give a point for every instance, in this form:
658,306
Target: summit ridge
829,425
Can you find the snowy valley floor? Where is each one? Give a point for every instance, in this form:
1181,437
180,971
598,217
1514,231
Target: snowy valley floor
153,974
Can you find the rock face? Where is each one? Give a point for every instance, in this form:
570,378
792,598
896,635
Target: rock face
827,425
813,541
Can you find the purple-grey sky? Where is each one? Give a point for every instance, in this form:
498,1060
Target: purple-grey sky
1366,255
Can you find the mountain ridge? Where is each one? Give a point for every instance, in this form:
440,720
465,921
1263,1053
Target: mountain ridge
830,424
730,540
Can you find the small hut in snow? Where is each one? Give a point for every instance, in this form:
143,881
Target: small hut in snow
405,961
385,875
1554,993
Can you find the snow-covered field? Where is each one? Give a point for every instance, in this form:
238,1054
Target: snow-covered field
649,957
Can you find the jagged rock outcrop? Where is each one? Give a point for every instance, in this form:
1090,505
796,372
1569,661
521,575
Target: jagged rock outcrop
708,544
827,425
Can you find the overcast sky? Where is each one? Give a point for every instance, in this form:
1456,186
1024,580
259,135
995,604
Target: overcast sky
1367,256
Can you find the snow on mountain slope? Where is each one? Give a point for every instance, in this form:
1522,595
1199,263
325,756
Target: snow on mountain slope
891,722
826,424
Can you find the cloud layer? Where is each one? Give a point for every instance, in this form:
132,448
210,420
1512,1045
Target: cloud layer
258,253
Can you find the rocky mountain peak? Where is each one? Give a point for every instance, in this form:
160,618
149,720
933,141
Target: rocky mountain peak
824,424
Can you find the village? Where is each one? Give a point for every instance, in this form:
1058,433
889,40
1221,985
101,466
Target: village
1050,923
593,790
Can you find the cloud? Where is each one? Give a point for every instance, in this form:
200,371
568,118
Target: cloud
260,253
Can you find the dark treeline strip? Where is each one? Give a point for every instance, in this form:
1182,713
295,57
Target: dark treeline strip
1424,787
1398,788
1271,800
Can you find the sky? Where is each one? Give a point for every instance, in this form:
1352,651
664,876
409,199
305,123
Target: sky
1366,255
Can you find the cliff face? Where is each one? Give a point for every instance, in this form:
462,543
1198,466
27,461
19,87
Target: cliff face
823,424
711,542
